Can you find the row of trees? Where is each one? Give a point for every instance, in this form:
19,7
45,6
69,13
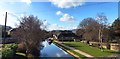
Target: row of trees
99,30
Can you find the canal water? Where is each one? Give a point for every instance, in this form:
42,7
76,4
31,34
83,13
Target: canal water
53,51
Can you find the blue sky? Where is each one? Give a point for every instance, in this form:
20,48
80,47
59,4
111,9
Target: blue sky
58,15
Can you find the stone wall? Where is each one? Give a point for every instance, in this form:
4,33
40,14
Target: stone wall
115,47
104,45
111,46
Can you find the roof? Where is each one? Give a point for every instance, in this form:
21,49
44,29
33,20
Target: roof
67,34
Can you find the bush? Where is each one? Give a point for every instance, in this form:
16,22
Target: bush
7,52
11,46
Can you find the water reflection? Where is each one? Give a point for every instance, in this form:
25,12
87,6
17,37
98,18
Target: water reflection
51,50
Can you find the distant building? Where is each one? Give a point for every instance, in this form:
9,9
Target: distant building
7,27
2,30
8,39
68,36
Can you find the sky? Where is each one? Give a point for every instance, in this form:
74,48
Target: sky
57,14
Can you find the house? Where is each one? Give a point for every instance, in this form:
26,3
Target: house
68,36
6,38
2,30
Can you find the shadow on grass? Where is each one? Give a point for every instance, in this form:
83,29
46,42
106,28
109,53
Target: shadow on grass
71,45
113,52
19,57
16,56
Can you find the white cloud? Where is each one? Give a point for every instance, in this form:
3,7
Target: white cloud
11,20
65,17
14,1
59,27
102,0
12,16
55,27
68,0
59,13
67,3
27,1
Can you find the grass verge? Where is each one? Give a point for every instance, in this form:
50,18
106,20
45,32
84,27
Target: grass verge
90,50
67,49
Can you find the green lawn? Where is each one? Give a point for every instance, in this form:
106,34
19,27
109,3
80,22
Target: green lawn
66,49
90,50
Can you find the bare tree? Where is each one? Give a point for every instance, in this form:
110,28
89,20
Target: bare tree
102,20
89,29
30,33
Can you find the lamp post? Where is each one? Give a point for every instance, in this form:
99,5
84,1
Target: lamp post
5,28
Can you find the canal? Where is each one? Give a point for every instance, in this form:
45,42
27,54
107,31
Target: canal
53,51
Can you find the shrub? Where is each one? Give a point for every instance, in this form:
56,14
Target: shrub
7,52
11,46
